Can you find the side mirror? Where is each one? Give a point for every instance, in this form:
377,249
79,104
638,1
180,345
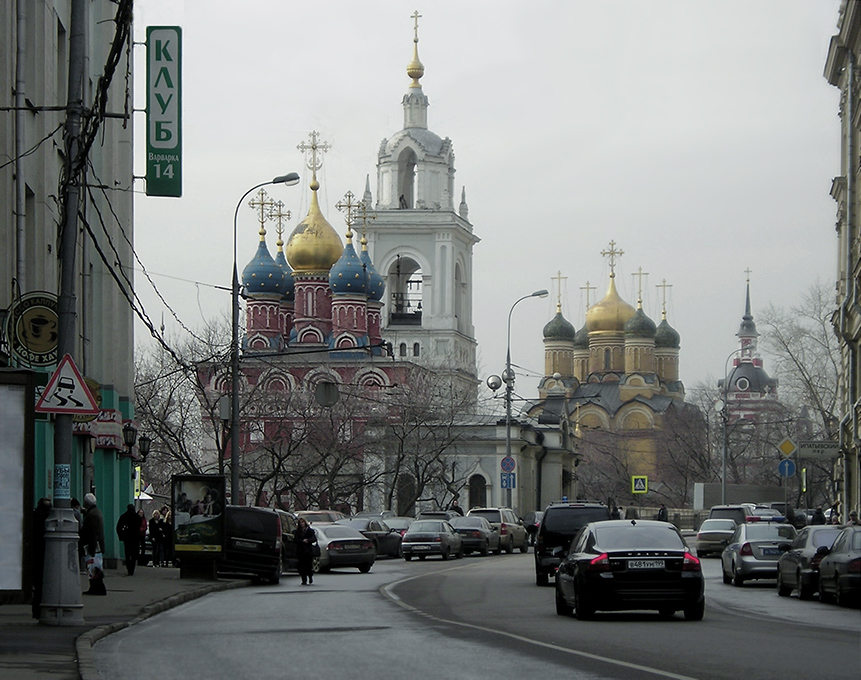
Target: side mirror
823,550
558,551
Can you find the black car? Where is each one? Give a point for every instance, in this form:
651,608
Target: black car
477,534
386,541
630,564
560,524
252,543
798,566
840,569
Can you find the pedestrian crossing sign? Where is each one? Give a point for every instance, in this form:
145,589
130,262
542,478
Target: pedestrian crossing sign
639,484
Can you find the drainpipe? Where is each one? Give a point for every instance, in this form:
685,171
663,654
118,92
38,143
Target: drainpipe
20,122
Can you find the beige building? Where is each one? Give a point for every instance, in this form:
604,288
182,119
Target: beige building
842,71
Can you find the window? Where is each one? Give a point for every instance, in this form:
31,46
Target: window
402,350
416,349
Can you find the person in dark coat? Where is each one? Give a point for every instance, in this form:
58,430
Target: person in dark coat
40,514
662,513
305,538
128,531
158,536
93,540
456,508
818,516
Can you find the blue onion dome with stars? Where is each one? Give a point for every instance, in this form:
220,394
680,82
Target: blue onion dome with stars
640,325
559,328
376,286
347,275
289,289
263,276
666,335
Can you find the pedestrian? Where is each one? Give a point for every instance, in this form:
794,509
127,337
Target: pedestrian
128,531
631,513
616,513
142,529
306,543
157,537
853,519
818,516
662,513
93,538
456,508
40,515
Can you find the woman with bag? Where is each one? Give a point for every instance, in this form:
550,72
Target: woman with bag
306,549
93,540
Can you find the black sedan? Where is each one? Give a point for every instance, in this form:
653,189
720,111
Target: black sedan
630,564
840,569
386,540
431,537
477,534
798,567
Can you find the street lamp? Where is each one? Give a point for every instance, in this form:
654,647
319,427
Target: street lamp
508,378
144,443
289,179
130,436
722,407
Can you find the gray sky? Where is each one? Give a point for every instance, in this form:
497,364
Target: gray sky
700,136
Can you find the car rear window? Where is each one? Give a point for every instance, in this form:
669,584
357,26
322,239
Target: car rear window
336,531
718,525
489,515
825,537
637,537
568,520
466,522
420,527
250,523
764,532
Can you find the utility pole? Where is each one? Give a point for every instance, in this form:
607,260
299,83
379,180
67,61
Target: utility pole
61,592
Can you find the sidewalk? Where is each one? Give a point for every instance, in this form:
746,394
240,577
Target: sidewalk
32,651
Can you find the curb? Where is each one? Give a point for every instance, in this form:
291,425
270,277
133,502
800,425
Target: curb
87,669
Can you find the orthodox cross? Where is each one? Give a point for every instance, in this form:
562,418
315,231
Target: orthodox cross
663,286
416,16
748,271
314,148
587,288
349,208
278,214
262,204
559,279
612,254
640,274
364,209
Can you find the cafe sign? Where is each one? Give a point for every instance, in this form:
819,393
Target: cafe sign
31,330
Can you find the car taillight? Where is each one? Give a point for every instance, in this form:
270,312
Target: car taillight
436,539
815,560
691,563
746,550
475,534
503,529
854,567
600,563
332,546
367,545
751,519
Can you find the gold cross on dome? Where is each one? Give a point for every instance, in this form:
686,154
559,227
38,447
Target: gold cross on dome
278,214
587,288
559,279
312,149
416,16
612,254
640,274
262,204
349,208
663,286
364,209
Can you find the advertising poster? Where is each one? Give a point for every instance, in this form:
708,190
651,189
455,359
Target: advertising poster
198,513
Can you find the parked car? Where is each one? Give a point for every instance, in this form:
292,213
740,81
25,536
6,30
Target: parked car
289,560
759,514
560,524
512,533
342,546
438,514
312,516
738,513
753,551
252,543
622,565
431,537
477,534
382,514
714,535
840,569
399,524
386,540
798,567
532,520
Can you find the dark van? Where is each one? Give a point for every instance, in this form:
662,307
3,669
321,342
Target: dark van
252,543
562,521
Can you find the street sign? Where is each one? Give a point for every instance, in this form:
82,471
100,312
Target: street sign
164,111
639,484
66,392
787,447
507,464
812,449
508,480
786,468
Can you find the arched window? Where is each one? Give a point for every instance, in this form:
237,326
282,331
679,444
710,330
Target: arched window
406,179
416,349
402,350
477,492
607,360
404,280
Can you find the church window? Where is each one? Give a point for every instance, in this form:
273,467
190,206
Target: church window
477,492
416,349
402,350
742,384
405,279
406,179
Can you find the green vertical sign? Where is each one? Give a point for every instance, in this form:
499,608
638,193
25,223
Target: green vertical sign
164,111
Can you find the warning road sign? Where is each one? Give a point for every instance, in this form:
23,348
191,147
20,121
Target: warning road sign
639,484
66,392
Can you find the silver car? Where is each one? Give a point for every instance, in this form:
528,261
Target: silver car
753,551
714,536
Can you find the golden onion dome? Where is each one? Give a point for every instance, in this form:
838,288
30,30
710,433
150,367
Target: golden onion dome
415,69
611,313
314,246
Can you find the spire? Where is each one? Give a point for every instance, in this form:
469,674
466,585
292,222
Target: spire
463,210
367,198
415,69
747,333
415,103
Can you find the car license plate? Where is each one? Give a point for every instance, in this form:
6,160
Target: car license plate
352,546
645,564
245,544
421,547
770,551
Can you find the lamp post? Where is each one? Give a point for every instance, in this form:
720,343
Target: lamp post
508,378
289,180
722,407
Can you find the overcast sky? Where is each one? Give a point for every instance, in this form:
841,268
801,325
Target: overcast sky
700,136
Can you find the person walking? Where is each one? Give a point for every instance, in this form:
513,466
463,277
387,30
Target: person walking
157,536
853,519
662,513
818,516
93,540
128,531
306,542
456,508
40,514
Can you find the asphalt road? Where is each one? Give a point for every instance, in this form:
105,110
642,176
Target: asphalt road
478,618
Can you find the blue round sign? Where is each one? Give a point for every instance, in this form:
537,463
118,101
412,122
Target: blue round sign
786,468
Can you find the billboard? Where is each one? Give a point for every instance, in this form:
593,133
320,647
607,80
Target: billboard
198,513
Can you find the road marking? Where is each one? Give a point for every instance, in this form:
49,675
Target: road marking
385,591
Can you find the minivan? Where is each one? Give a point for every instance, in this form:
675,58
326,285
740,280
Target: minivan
252,543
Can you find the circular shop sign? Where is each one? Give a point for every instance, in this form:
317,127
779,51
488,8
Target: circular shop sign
31,329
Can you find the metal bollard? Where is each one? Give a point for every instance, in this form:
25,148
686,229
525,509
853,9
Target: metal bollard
61,590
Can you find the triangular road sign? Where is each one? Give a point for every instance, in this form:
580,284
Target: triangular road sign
66,392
